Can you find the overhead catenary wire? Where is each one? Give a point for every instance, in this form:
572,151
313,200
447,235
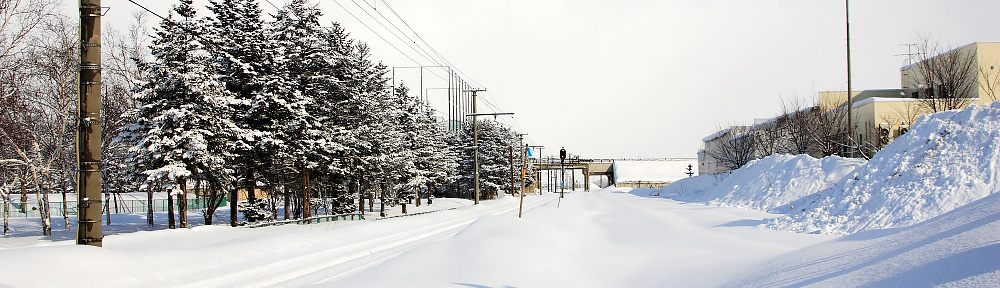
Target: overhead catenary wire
376,33
423,51
473,81
489,104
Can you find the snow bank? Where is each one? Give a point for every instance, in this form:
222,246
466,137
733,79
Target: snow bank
955,249
765,184
947,160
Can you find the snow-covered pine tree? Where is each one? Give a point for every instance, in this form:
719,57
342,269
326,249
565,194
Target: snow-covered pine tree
363,114
494,160
433,162
182,120
250,69
307,63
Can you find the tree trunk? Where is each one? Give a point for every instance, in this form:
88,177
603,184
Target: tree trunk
418,197
430,194
182,203
24,197
288,203
382,202
149,208
65,209
43,208
361,204
107,205
251,193
233,199
356,190
170,210
306,213
6,212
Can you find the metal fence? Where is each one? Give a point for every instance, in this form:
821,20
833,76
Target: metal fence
30,208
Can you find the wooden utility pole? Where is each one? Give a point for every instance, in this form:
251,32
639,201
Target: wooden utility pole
89,124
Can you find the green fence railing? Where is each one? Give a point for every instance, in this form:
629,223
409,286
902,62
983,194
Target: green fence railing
30,208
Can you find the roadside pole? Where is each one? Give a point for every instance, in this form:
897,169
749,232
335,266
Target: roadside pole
89,127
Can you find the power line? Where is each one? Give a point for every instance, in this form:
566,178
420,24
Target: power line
403,33
394,34
373,31
429,45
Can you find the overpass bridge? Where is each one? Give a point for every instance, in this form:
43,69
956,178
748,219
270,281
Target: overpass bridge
590,167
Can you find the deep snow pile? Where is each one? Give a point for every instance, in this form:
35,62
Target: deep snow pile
955,249
947,160
764,184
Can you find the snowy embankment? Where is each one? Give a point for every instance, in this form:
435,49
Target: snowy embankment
947,160
764,184
956,249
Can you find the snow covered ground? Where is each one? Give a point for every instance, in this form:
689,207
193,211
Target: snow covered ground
608,238
960,248
588,239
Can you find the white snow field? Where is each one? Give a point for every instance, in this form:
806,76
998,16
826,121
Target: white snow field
593,239
607,238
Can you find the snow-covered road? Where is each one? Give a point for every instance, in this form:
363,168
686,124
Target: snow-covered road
593,239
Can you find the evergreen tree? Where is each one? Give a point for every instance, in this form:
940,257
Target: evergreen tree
494,161
182,128
365,118
307,64
250,69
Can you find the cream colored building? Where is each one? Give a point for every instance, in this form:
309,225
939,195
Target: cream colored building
707,164
986,58
879,116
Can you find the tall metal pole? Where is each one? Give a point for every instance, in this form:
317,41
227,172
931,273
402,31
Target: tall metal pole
850,122
422,84
451,76
540,159
475,140
89,124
